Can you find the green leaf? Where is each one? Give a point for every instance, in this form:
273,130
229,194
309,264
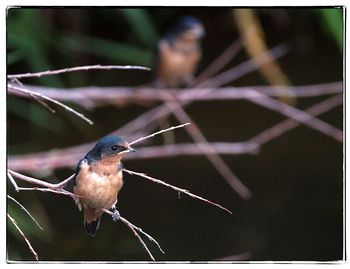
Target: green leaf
332,19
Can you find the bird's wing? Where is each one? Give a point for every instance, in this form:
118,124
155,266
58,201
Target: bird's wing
77,170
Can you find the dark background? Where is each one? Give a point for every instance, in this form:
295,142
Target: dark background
296,212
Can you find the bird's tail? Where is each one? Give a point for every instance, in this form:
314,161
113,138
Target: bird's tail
91,227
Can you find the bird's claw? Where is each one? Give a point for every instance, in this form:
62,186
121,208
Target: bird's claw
115,215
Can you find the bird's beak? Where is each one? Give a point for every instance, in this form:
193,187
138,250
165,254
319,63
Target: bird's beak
129,149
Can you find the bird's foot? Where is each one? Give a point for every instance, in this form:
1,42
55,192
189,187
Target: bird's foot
115,215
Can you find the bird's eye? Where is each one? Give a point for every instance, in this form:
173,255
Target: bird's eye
114,148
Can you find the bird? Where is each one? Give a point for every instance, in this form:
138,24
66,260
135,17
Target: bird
98,180
178,53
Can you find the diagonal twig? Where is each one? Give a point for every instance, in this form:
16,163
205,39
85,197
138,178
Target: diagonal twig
15,80
219,62
47,187
245,67
24,237
159,132
289,124
134,229
26,91
204,146
77,68
299,115
176,188
25,210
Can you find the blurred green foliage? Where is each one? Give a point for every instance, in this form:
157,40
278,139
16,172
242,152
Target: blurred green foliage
332,20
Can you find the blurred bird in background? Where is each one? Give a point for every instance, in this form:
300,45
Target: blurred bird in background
178,53
177,56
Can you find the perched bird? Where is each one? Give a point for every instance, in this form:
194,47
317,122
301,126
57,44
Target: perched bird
178,54
98,180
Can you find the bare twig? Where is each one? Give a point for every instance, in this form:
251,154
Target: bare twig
175,188
190,149
95,96
78,68
134,229
25,210
246,67
24,237
26,91
289,124
15,80
300,116
48,187
205,147
219,62
66,158
144,120
159,132
57,188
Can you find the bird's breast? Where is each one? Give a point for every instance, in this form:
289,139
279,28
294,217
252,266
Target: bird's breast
98,185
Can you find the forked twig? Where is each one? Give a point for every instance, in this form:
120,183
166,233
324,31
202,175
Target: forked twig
24,237
175,188
134,229
77,68
47,187
32,93
25,210
15,80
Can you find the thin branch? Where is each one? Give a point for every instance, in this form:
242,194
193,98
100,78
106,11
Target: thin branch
175,188
66,157
246,67
289,124
12,180
74,69
205,146
20,89
57,188
190,149
48,187
219,62
25,210
133,228
159,132
15,80
145,119
300,116
24,237
94,96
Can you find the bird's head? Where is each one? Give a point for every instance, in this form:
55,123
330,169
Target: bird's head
110,149
187,27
